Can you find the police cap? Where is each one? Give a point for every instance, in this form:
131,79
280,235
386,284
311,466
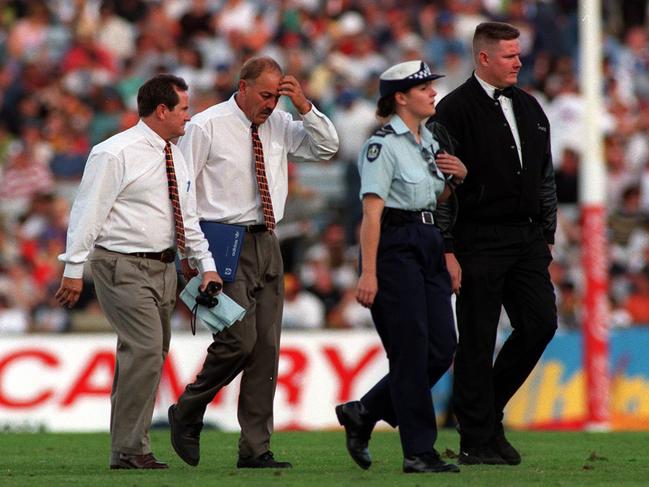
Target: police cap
403,76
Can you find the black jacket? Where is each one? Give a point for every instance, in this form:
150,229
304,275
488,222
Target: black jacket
497,189
446,211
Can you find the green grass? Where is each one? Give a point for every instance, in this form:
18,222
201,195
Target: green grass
319,458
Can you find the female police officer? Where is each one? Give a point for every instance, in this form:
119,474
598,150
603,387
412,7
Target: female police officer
403,279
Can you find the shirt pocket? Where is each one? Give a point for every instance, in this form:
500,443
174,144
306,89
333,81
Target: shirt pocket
275,166
412,173
415,183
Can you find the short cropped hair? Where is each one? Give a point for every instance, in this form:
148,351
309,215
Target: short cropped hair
253,67
160,89
492,32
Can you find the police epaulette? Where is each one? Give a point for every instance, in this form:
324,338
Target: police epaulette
385,130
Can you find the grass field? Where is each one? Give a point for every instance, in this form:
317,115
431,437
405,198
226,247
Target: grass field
549,459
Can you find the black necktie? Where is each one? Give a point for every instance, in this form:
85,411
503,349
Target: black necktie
508,92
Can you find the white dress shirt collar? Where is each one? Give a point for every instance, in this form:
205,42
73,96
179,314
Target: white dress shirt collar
236,109
486,86
151,136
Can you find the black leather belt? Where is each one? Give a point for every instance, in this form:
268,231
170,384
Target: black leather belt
256,228
167,256
394,216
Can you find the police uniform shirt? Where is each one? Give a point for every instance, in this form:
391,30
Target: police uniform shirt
123,202
507,107
394,166
217,144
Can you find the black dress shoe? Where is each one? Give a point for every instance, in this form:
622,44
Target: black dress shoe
146,461
358,431
185,438
428,463
504,448
265,460
477,455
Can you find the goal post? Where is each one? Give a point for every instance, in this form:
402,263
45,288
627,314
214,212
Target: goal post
592,195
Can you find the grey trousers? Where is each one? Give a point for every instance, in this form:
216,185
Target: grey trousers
138,296
251,346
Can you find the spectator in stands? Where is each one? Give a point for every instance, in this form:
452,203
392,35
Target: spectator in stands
302,309
23,178
637,304
348,313
115,33
298,228
197,21
29,36
13,319
567,176
626,218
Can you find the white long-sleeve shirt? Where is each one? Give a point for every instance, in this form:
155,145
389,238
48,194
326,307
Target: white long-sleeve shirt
123,202
217,143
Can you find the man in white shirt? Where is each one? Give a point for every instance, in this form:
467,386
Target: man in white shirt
238,185
135,208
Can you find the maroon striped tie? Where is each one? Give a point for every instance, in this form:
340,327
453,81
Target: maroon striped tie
262,182
175,201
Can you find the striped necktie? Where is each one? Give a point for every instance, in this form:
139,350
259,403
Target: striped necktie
262,182
175,201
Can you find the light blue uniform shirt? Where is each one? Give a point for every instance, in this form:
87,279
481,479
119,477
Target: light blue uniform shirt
392,166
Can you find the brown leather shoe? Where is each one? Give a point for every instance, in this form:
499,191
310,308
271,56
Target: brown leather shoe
147,461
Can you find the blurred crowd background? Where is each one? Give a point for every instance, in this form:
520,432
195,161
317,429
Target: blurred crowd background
70,70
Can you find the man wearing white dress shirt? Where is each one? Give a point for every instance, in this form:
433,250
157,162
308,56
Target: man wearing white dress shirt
123,218
219,145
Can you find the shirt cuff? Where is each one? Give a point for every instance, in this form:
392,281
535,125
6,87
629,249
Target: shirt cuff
312,114
206,265
73,271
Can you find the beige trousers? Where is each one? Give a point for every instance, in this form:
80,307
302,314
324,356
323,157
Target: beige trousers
138,296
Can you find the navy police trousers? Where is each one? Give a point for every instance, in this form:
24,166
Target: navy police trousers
413,316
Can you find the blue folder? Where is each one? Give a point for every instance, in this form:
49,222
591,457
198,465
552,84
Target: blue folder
225,244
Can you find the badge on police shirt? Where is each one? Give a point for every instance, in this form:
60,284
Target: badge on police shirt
373,151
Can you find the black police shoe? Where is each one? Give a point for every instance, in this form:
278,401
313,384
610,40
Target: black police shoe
504,448
265,460
358,430
477,455
429,462
185,438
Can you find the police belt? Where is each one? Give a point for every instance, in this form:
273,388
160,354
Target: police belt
397,217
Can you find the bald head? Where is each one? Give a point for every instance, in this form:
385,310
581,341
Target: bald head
252,68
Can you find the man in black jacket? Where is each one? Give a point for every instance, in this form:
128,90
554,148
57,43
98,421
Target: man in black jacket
501,242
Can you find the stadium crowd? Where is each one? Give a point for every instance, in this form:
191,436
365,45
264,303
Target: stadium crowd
70,70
